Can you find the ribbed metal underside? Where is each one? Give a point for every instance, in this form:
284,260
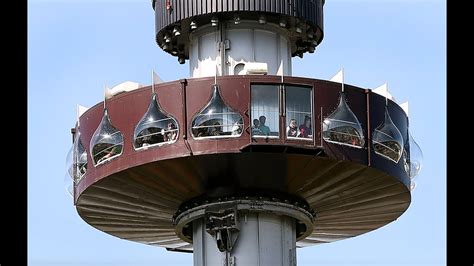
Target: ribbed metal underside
138,204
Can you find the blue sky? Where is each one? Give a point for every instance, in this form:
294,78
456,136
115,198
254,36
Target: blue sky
75,47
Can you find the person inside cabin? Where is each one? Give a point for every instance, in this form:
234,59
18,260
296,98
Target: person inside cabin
292,130
255,127
171,133
305,128
216,129
109,152
237,127
263,128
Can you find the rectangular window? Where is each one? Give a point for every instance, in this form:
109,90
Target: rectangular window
298,113
265,113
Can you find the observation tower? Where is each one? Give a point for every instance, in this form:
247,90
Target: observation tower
241,163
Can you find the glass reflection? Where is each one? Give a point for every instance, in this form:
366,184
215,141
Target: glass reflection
68,184
406,161
216,119
342,126
387,140
80,158
69,163
155,127
107,141
416,157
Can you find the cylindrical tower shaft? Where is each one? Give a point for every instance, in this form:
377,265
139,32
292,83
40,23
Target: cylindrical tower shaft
244,230
263,239
248,47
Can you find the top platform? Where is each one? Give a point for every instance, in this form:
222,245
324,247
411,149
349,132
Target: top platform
235,138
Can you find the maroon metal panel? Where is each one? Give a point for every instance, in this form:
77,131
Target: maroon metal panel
377,114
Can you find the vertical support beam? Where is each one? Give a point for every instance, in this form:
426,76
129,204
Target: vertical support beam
369,136
183,83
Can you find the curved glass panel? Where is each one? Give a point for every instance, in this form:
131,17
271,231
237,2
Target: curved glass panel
69,163
155,127
342,126
216,119
387,139
68,185
416,157
406,161
80,158
107,141
412,185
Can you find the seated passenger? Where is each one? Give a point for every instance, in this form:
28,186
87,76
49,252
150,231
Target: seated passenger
305,128
172,132
82,169
255,127
216,129
82,164
155,136
109,152
345,134
389,149
355,141
292,130
264,129
201,132
149,136
237,127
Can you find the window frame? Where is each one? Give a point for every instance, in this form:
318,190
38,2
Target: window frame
282,113
279,110
312,113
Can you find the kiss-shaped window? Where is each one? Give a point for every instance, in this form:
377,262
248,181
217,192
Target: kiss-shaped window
342,126
155,127
107,141
216,119
387,139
